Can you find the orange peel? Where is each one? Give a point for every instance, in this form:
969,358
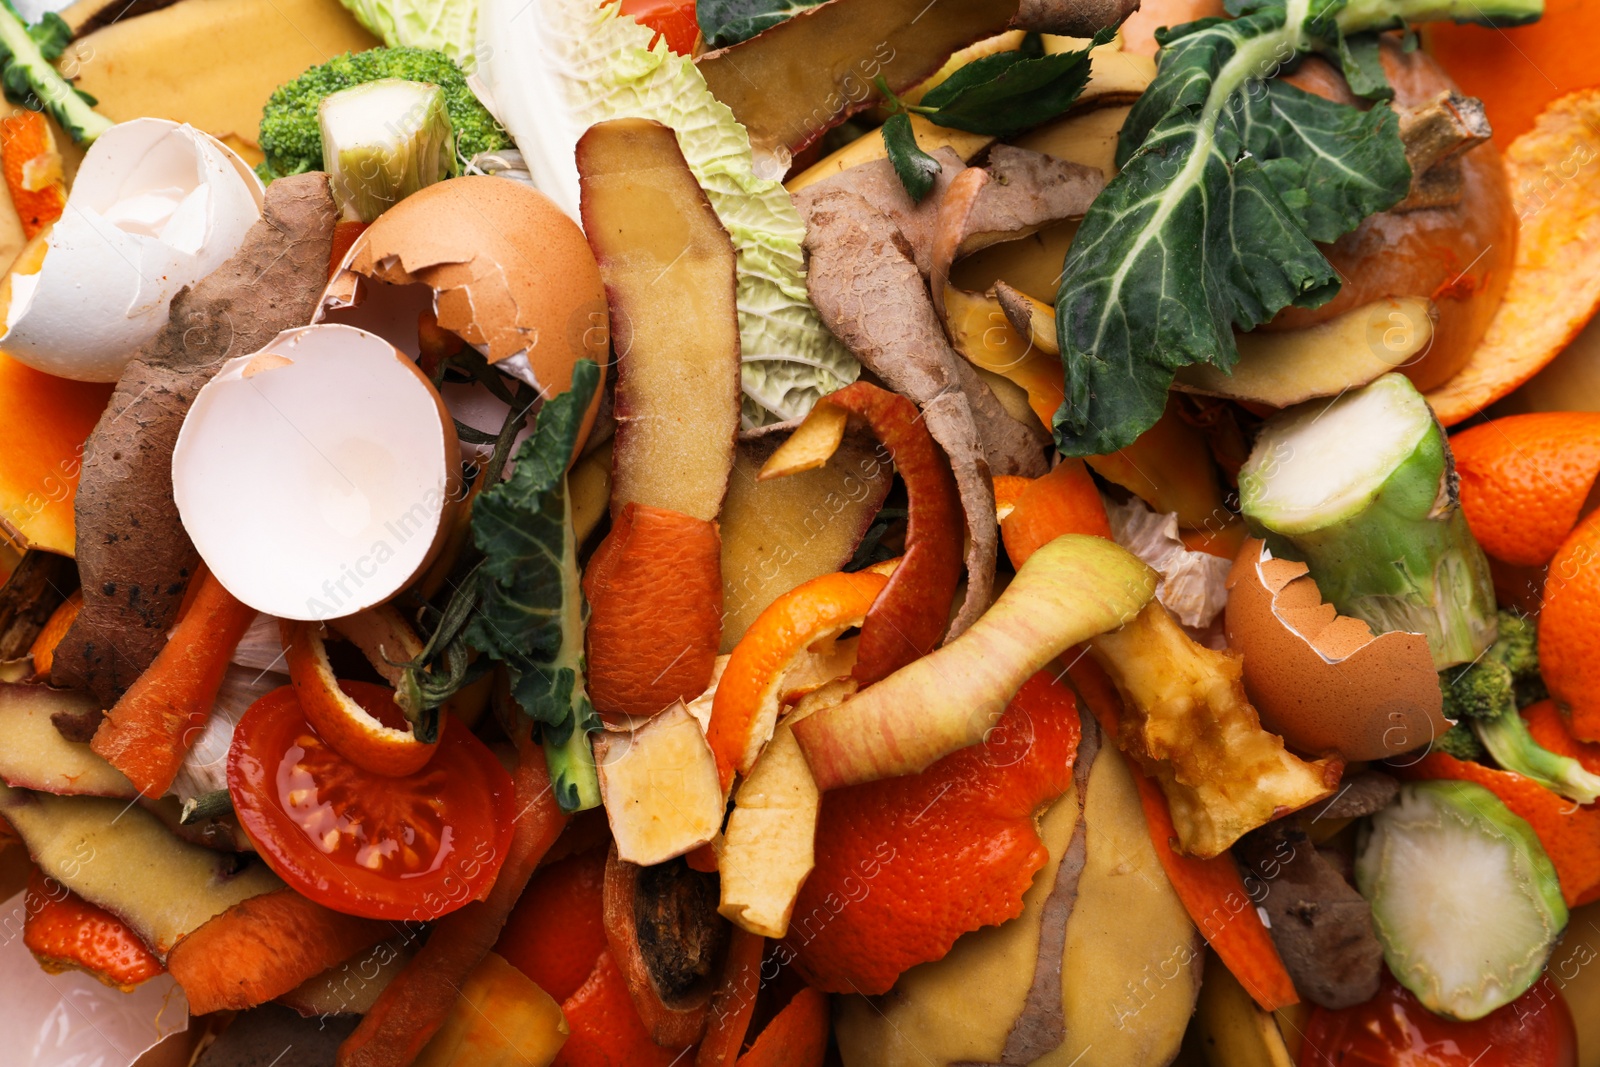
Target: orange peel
342,712
1555,277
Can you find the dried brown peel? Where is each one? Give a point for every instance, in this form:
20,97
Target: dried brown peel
1321,679
870,294
1554,287
1028,191
876,182
1072,18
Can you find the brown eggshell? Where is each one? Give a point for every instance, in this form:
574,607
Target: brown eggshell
1321,679
510,272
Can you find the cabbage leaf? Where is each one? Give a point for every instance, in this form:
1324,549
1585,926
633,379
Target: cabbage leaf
448,26
552,68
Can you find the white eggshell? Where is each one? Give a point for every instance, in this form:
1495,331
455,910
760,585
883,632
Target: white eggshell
317,476
157,205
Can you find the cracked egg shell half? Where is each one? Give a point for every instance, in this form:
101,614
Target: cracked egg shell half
318,476
156,205
1322,680
508,271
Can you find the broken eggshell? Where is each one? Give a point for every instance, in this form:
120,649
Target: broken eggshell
318,476
1321,679
156,206
508,271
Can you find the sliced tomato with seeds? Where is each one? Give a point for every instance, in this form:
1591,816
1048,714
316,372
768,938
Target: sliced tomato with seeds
411,847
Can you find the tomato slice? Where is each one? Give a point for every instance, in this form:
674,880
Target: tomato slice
412,847
1393,1029
673,19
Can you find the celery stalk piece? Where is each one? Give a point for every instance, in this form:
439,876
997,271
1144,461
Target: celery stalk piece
1362,489
382,141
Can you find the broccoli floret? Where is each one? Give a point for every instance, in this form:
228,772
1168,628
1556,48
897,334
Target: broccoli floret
1484,698
1459,741
291,138
1477,691
1518,648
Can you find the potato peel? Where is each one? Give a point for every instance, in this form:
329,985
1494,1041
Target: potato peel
1555,278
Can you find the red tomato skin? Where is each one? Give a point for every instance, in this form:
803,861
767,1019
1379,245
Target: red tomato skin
477,808
673,19
1393,1029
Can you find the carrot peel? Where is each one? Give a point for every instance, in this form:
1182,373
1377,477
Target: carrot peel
147,734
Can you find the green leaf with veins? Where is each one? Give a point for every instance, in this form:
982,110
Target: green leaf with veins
1009,92
1227,181
917,170
725,22
532,613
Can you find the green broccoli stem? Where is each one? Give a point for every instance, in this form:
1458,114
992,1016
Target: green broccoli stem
1359,15
53,93
571,757
573,776
1362,490
1507,739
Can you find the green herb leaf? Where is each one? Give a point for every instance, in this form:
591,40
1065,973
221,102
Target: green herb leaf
917,169
725,22
532,613
52,34
1363,69
1227,182
1009,92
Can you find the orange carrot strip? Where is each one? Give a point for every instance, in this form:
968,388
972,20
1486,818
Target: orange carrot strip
655,610
150,730
1063,501
66,932
1212,890
32,170
43,651
734,1002
796,1037
263,947
421,997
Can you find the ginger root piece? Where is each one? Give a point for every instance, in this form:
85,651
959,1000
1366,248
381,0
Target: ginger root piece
133,555
871,295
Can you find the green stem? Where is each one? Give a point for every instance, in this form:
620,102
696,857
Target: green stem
205,806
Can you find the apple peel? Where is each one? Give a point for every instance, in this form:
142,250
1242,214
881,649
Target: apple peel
1068,591
1323,680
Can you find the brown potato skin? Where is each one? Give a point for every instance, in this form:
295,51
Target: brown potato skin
1459,257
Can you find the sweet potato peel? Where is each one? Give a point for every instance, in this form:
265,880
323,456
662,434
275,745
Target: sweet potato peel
133,554
655,600
1554,287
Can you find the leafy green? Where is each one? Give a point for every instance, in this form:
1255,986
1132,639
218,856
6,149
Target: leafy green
1227,182
448,26
564,65
917,170
531,614
725,22
1009,92
1000,95
1363,69
30,80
